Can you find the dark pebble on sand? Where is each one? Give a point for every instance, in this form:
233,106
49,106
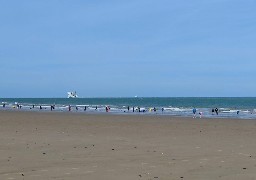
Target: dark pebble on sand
44,153
140,175
156,177
244,168
181,177
113,149
22,174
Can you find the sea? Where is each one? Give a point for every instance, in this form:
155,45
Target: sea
228,107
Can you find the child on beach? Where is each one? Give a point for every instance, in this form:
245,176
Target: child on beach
200,114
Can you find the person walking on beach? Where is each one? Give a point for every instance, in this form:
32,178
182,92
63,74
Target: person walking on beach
128,108
217,111
84,108
194,112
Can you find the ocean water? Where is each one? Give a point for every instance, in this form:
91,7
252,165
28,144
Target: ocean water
228,107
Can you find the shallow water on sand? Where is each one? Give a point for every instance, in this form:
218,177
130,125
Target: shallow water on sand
228,107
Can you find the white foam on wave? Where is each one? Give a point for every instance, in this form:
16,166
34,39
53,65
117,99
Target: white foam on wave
229,111
177,109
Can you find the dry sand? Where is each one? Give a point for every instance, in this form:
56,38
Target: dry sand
41,146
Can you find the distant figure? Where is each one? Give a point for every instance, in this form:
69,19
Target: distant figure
128,108
162,109
51,107
200,114
237,112
4,105
40,107
139,109
154,109
76,108
69,108
84,108
194,112
213,111
96,107
33,106
107,108
217,111
133,109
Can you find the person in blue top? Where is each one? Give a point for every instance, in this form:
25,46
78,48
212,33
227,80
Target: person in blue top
194,112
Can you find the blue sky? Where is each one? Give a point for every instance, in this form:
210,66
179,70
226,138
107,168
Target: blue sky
164,48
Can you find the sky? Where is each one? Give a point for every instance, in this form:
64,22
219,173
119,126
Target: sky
146,48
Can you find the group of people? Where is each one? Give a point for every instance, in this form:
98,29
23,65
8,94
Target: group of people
216,110
194,113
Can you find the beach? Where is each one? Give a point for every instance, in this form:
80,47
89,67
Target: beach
74,146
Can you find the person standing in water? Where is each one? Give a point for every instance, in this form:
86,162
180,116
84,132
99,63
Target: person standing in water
194,112
212,111
200,114
217,111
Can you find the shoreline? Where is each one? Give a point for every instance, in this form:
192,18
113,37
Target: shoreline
243,108
220,116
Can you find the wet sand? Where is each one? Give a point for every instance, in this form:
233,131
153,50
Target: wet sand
63,146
